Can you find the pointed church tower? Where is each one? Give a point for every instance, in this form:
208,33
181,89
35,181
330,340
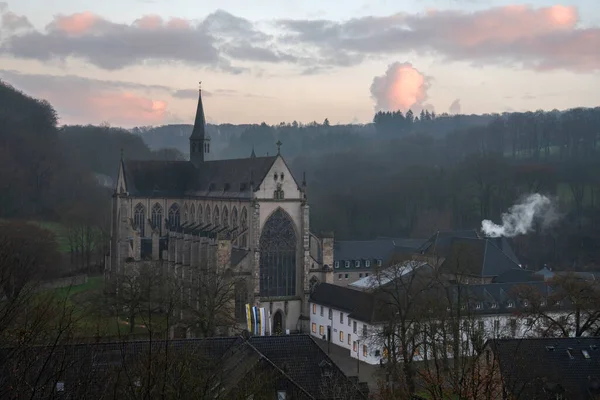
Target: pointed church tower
199,141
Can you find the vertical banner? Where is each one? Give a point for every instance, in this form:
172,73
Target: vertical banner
248,318
269,322
260,321
255,314
263,321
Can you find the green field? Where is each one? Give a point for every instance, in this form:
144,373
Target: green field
95,315
60,234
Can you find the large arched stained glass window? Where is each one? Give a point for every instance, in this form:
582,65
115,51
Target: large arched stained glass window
225,217
234,223
200,208
174,216
193,214
157,217
278,256
244,228
139,218
216,217
185,213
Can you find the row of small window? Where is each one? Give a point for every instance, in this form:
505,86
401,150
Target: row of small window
354,344
357,263
511,304
345,276
365,330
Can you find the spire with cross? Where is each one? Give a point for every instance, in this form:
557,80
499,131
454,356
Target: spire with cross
278,144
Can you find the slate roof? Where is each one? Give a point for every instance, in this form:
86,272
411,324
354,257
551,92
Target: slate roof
518,275
439,243
496,298
476,257
389,274
298,360
379,249
363,306
229,178
405,243
532,368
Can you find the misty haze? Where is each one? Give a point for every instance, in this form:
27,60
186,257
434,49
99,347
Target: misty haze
299,200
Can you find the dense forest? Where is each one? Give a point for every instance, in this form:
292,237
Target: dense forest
402,175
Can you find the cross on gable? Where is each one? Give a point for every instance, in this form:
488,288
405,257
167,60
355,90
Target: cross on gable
278,146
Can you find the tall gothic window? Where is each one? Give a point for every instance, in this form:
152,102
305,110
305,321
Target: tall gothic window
241,299
208,220
200,220
216,216
174,216
225,217
193,214
157,217
234,222
139,218
278,256
244,228
185,213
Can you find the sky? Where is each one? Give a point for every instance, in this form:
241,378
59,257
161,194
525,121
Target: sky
139,62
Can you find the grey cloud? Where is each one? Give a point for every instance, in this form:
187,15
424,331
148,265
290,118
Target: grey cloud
12,22
60,83
214,42
455,107
3,6
117,47
189,94
94,100
541,39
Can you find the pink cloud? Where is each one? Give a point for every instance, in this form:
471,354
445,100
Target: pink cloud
127,108
75,24
500,25
540,38
402,87
149,22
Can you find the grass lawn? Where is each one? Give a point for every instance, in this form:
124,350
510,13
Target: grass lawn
59,232
94,315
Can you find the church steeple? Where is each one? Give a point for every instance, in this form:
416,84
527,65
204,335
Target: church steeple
199,141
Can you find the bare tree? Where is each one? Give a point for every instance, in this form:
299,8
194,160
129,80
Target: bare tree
571,309
401,290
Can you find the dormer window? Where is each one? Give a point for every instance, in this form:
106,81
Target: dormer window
368,263
347,264
379,263
543,303
478,306
494,305
337,264
357,263
510,304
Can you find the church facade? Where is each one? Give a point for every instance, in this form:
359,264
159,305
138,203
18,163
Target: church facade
249,216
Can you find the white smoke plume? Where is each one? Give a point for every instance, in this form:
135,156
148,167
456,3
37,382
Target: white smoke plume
522,218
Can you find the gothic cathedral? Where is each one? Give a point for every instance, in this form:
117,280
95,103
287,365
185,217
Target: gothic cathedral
253,209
